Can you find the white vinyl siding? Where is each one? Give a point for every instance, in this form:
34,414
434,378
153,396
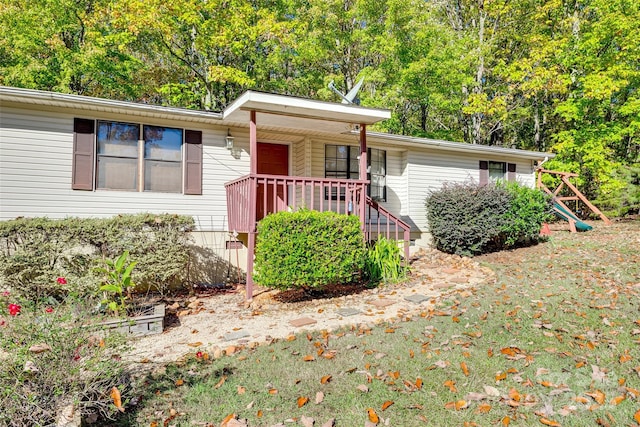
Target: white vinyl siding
35,172
36,169
429,169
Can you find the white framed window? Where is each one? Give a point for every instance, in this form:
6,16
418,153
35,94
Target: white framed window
497,170
341,161
492,171
138,157
122,156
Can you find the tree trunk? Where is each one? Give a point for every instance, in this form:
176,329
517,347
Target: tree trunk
478,89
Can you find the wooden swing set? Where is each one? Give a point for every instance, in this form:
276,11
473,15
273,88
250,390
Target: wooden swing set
560,208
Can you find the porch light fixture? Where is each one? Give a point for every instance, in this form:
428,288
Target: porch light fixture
229,141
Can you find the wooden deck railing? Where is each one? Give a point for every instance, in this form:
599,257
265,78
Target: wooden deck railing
264,194
380,222
275,193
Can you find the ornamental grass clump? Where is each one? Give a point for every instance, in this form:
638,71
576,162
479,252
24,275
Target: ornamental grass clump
384,261
308,250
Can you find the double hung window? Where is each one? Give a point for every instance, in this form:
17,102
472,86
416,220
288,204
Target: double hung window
135,161
111,155
341,161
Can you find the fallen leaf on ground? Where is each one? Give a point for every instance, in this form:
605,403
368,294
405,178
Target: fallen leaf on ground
222,380
325,379
483,408
491,391
307,421
457,405
597,374
515,395
373,417
302,400
511,351
319,397
465,369
363,388
227,419
451,384
117,399
549,422
617,400
475,396
598,396
386,404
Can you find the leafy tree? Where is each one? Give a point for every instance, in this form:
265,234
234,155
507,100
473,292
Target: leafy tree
65,46
213,47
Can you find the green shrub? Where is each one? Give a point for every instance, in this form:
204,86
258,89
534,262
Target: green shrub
469,219
384,262
529,208
71,369
465,218
623,199
35,251
308,249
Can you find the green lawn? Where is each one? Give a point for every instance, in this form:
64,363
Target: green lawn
555,341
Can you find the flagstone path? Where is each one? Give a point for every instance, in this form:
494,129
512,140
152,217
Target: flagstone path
224,323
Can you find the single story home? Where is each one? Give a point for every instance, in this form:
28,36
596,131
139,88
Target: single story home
68,155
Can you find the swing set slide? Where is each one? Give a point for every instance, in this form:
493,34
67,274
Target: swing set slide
574,222
561,209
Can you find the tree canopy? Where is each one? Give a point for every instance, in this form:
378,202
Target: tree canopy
550,75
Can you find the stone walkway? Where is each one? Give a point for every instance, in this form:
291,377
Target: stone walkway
223,323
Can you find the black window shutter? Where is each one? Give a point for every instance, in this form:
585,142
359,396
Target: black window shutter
484,172
83,154
193,162
511,171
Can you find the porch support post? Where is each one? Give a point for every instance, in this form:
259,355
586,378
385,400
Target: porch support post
363,152
363,173
253,169
253,144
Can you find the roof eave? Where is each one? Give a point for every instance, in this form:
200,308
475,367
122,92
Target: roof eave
37,97
302,109
457,146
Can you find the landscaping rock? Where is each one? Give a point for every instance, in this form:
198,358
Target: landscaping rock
30,367
39,348
303,321
273,315
69,417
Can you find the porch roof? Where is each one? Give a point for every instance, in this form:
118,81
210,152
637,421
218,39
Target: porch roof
291,112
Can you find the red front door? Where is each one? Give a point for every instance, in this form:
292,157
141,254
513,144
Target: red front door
273,159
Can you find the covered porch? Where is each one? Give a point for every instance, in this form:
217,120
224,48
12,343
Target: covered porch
270,188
